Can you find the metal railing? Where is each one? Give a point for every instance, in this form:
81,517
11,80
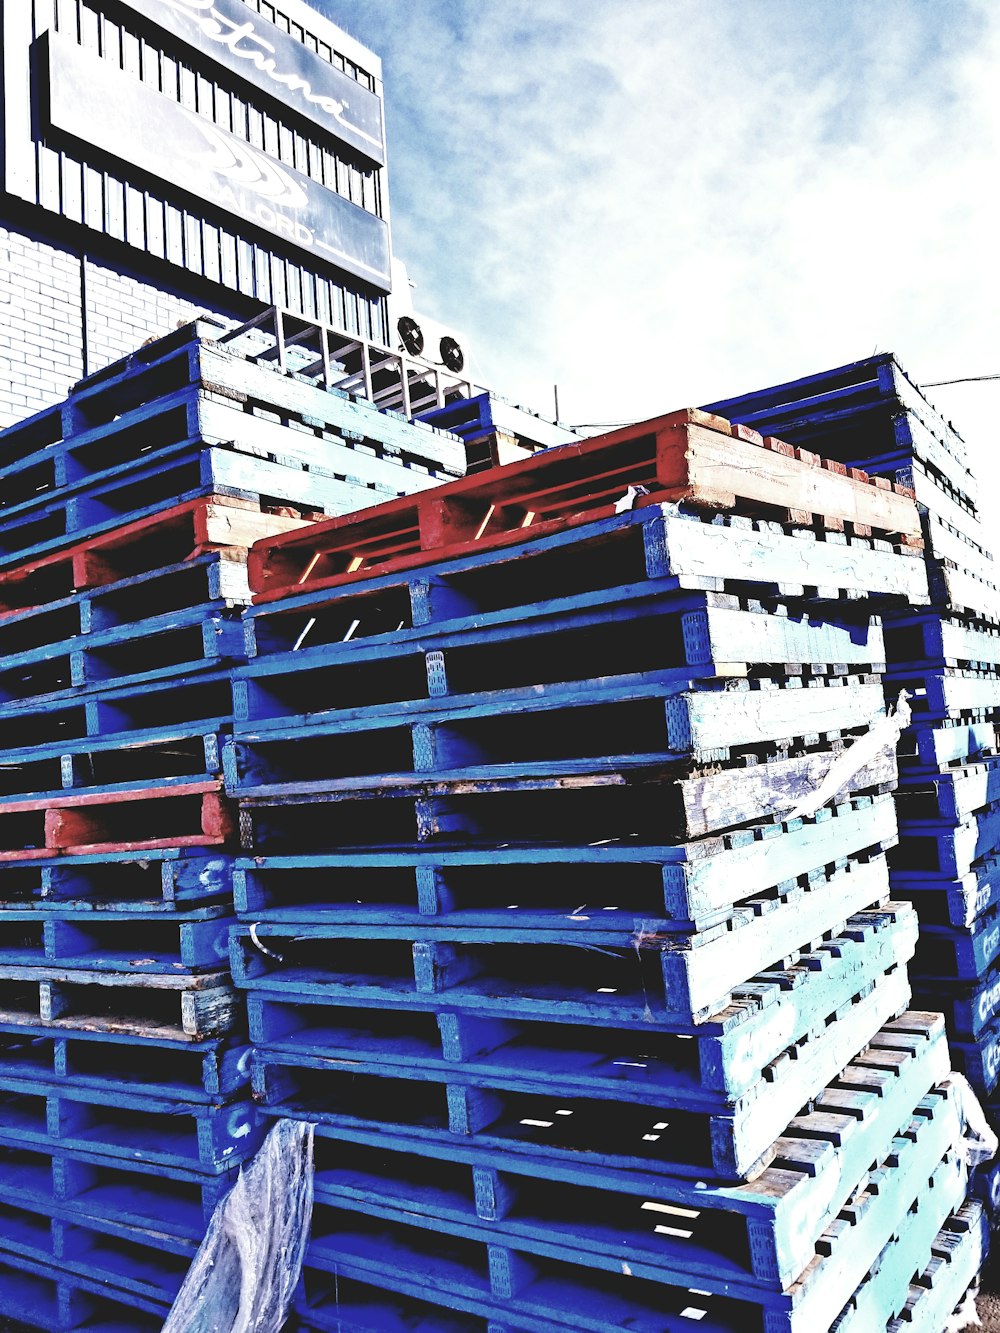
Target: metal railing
337,360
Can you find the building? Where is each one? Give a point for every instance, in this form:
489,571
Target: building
168,157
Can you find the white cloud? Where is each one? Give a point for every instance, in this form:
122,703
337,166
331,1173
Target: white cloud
658,202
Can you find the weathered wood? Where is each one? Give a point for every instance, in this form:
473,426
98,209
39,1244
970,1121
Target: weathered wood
698,464
580,481
741,556
385,1249
737,796
709,719
190,1007
959,1253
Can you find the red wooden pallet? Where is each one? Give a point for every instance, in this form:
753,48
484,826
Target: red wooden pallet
688,456
194,814
211,523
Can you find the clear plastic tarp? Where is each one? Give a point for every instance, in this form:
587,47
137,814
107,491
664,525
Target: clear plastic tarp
244,1275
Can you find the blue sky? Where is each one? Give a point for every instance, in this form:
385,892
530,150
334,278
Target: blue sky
661,202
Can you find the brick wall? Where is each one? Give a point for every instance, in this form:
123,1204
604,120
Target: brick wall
41,326
45,347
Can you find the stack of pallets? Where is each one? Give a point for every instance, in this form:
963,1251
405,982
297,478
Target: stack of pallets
947,657
597,1029
124,1080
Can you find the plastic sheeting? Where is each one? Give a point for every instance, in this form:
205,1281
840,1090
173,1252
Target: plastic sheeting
883,735
245,1273
979,1143
965,1316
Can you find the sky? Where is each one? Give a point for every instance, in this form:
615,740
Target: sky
657,203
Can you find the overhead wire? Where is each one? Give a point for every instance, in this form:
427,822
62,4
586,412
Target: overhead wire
931,384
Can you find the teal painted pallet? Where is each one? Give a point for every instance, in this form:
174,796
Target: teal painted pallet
959,1253
491,972
616,874
720,1060
567,1286
773,1222
526,1115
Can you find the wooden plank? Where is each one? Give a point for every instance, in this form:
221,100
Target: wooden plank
159,1006
710,465
960,1253
958,591
739,555
390,1253
697,980
339,412
723,800
784,1209
706,720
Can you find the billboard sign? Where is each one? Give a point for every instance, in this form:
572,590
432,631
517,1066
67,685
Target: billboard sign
276,64
139,126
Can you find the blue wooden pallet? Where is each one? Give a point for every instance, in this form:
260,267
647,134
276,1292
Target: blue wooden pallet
773,1222
519,1113
195,940
52,1300
970,1008
617,631
602,884
182,441
614,1235
757,786
334,1305
215,580
566,1286
518,804
209,1071
979,1060
627,1092
224,376
162,427
116,764
189,1007
283,693
965,954
773,1010
200,702
942,846
941,901
177,644
563,977
120,1122
166,879
937,640
866,409
959,1253
655,549
598,1225
136,1261
114,1191
718,1061
955,794
588,889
